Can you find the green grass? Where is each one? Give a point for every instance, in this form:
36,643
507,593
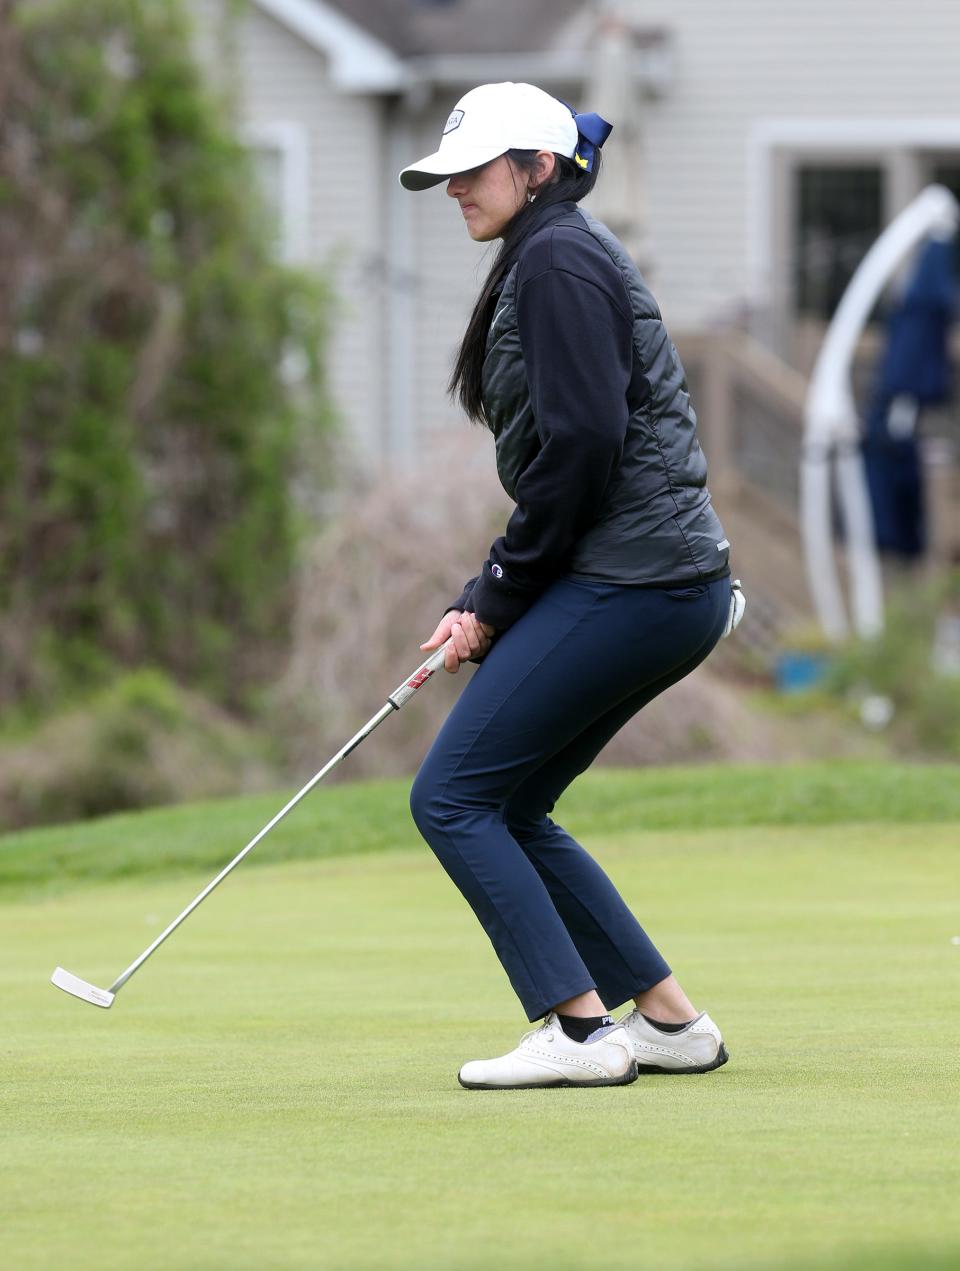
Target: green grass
373,817
277,1088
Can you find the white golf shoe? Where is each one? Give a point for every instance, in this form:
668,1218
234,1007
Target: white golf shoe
546,1056
696,1048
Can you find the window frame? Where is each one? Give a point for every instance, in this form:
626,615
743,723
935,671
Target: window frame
289,139
904,149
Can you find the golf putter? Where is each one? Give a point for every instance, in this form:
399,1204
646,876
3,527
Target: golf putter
104,997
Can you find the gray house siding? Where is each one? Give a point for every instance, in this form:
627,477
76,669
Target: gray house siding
755,90
284,91
719,207
283,79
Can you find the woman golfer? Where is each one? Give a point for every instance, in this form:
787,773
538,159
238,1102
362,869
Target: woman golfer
610,583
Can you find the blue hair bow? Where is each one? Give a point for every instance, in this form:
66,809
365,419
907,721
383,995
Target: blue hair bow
593,130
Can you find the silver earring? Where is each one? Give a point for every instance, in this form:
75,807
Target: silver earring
530,196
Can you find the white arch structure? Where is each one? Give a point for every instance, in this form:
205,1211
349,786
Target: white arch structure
832,429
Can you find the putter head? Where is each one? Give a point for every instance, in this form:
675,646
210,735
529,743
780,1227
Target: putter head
80,988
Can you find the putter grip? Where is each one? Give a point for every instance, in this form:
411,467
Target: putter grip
406,690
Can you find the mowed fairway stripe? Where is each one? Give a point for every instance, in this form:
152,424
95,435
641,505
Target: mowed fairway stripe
277,1088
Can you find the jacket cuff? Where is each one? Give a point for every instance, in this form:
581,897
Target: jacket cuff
463,599
495,603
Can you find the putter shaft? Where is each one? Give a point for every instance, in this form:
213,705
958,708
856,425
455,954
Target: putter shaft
402,694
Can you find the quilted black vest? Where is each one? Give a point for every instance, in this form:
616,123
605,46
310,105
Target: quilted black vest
657,524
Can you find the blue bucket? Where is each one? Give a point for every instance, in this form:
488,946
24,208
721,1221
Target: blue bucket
800,672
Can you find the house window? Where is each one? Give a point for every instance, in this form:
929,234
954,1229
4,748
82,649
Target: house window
279,152
946,172
839,215
268,169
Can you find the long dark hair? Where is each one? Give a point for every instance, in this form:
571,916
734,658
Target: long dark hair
569,183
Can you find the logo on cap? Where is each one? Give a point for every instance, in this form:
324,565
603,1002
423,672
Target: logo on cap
455,120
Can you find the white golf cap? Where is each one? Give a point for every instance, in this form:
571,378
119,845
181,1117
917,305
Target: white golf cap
486,123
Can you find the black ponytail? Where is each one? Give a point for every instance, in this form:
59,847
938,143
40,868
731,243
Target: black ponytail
570,183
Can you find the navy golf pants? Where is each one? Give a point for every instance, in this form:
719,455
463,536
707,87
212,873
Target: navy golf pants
542,704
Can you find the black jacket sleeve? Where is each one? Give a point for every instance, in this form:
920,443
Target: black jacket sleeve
462,601
576,335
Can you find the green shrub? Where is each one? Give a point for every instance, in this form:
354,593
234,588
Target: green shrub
140,741
147,434
901,665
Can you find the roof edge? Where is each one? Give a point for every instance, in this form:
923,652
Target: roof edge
447,70
651,65
359,62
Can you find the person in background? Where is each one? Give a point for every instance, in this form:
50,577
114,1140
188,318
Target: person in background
610,583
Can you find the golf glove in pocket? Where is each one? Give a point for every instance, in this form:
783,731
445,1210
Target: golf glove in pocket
738,603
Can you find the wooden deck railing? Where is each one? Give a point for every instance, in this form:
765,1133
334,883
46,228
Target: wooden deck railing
750,408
